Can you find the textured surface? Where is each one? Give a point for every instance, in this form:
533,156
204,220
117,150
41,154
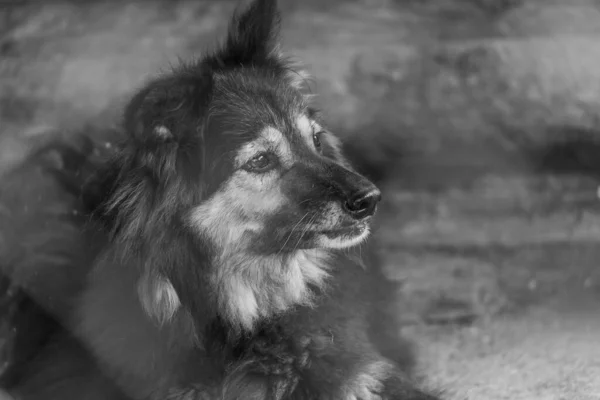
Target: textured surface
471,89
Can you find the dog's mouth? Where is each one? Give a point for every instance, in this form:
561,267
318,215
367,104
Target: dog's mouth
354,230
343,237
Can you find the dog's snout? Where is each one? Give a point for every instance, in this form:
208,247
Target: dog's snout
362,204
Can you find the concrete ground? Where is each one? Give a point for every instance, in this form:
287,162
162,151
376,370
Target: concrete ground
496,253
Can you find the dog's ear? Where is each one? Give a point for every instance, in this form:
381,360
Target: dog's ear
165,122
253,35
167,111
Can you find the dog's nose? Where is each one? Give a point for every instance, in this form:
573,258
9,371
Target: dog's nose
363,204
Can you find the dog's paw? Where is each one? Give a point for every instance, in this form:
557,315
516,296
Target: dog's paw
271,364
369,382
279,357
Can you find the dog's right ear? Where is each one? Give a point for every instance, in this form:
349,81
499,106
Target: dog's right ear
252,37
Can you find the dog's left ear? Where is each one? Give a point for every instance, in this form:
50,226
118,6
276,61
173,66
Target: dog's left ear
253,36
160,113
165,119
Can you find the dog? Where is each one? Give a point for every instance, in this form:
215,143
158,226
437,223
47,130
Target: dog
227,232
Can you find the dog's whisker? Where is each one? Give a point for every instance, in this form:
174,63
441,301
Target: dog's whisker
292,232
304,231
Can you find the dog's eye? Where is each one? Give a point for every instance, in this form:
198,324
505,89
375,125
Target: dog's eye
317,140
260,163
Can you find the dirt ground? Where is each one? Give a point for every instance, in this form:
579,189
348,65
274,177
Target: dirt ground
495,246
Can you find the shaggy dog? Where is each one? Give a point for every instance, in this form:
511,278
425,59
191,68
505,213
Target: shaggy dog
224,236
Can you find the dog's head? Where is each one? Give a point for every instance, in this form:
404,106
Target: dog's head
229,149
237,126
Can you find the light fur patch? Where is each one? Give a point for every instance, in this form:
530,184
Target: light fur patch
163,132
308,127
158,298
237,298
218,219
270,139
304,125
238,207
266,285
369,382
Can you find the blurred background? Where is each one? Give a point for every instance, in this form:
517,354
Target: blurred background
482,113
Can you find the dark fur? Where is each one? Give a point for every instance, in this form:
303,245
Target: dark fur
154,312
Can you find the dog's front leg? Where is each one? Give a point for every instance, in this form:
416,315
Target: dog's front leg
194,392
381,380
270,369
313,367
344,370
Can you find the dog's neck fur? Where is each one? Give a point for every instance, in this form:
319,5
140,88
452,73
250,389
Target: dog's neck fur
252,287
249,288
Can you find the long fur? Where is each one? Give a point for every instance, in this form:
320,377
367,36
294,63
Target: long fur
214,278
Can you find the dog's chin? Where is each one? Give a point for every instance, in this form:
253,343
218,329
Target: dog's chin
342,238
